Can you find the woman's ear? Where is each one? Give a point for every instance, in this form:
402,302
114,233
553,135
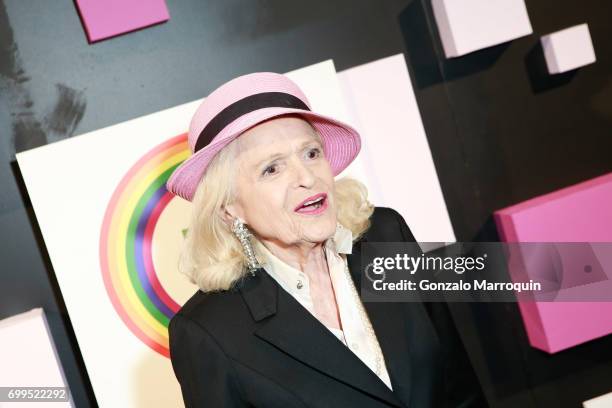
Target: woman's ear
226,215
229,213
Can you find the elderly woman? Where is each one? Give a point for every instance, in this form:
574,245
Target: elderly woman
274,249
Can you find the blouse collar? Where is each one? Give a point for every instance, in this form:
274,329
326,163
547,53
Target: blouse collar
340,243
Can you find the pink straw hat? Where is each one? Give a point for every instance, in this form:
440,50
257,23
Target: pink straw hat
242,103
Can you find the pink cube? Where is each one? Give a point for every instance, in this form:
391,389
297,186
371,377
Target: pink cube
579,213
108,18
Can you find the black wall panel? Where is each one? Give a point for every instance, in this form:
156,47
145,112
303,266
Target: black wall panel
500,131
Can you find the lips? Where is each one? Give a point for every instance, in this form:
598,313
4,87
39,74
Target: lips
312,204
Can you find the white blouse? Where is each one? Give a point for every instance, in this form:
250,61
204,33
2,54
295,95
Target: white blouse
355,323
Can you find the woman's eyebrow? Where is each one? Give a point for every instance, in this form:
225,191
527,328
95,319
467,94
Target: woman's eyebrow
281,155
269,158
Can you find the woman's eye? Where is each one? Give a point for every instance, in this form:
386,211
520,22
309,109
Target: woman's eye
314,153
269,170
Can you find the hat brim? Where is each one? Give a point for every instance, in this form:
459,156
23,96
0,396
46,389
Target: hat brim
341,144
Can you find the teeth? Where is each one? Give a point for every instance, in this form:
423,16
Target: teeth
312,202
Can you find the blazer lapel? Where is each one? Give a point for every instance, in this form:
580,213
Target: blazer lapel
389,322
287,325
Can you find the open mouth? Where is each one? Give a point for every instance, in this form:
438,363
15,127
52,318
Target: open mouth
313,205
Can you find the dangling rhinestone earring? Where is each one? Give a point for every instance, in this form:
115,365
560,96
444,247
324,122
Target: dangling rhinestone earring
243,234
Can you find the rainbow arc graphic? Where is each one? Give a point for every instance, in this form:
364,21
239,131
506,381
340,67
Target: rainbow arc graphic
126,240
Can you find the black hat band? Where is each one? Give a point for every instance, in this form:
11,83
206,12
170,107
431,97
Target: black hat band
243,106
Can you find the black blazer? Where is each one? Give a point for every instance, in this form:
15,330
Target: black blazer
256,346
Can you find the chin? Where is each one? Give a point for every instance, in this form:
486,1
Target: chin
324,230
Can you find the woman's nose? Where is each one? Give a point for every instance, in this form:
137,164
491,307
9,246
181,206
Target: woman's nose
304,175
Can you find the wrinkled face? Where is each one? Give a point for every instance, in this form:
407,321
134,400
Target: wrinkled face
281,168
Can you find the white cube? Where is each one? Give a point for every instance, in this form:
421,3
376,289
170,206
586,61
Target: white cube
604,401
470,25
28,356
568,49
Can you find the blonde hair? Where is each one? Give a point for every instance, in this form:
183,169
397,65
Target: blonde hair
212,257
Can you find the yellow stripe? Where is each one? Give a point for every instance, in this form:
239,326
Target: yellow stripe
118,232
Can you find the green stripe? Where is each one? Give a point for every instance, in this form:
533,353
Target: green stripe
129,250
